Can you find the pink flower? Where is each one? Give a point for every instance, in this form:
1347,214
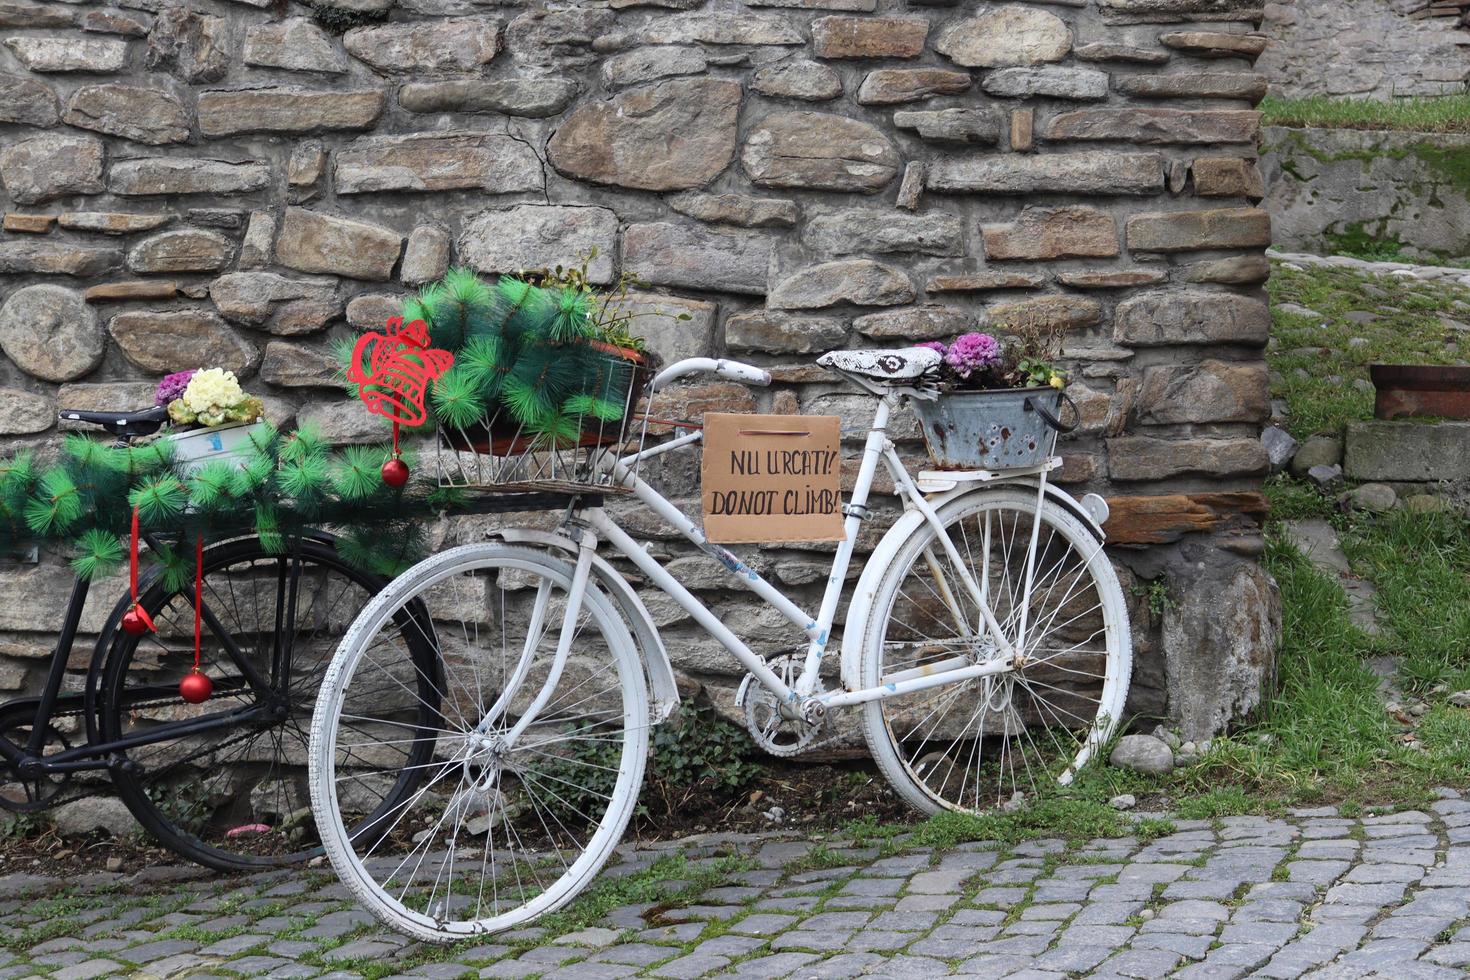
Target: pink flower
972,353
171,387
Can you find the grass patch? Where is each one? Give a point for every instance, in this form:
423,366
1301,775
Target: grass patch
1076,820
1326,726
1427,114
650,885
1419,562
1227,801
1320,363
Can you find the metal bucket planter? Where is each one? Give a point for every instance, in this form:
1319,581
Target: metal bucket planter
230,443
993,430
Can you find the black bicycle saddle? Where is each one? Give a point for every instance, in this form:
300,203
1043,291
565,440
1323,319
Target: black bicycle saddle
142,423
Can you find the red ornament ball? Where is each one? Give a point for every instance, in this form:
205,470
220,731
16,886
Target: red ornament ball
395,472
196,687
136,622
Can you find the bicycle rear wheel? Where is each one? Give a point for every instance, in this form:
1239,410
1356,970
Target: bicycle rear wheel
998,739
233,797
505,825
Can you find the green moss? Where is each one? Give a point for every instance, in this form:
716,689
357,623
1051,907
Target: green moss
1362,242
1365,154
1450,163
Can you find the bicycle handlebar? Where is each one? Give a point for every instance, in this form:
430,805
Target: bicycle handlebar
730,370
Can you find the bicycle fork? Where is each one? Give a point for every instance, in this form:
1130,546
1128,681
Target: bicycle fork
581,574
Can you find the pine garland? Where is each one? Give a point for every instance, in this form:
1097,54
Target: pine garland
523,353
286,484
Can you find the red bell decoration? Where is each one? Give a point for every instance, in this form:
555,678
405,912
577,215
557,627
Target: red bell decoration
395,472
393,372
196,687
136,621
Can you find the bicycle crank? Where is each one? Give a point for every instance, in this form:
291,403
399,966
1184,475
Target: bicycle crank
773,724
28,793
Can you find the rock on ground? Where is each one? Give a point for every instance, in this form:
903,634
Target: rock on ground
1143,753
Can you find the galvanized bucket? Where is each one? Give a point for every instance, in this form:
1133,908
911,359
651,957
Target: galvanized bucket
993,430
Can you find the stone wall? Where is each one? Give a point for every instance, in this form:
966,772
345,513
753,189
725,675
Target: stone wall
1337,189
1366,48
233,183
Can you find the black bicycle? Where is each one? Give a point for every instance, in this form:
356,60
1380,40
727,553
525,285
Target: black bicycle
223,782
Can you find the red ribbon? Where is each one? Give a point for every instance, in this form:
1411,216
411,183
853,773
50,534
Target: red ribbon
133,577
198,593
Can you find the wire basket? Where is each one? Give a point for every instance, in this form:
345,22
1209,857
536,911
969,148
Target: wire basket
503,453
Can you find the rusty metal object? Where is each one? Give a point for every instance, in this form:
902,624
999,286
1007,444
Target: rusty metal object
1421,390
991,430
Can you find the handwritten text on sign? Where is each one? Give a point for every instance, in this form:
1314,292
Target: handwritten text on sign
772,478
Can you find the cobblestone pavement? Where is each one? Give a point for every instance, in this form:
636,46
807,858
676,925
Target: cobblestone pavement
1312,894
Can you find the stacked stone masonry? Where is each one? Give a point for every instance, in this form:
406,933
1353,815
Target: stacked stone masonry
1379,49
231,182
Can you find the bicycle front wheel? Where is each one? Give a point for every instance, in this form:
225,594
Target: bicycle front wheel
529,775
998,739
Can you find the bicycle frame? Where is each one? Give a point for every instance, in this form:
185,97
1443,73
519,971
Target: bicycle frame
877,448
93,755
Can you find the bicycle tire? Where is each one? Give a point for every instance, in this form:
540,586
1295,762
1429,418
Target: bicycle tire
517,792
924,753
193,804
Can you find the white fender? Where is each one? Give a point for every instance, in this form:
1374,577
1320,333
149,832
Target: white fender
655,656
866,590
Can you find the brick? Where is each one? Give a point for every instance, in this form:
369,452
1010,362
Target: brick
869,37
1060,173
116,292
891,86
1186,317
1172,11
437,162
1227,177
1111,279
287,109
32,224
1047,313
984,281
1211,391
1186,231
774,332
313,242
1140,458
1157,126
1205,44
1023,130
1248,86
1053,233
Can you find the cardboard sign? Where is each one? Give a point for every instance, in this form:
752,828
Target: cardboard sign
772,478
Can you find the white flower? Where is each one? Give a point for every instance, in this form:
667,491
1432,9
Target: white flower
212,390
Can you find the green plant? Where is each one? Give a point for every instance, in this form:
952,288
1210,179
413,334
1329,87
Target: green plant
1156,591
1074,819
609,307
696,752
340,20
699,752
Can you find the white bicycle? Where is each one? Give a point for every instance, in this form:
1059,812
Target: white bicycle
986,645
